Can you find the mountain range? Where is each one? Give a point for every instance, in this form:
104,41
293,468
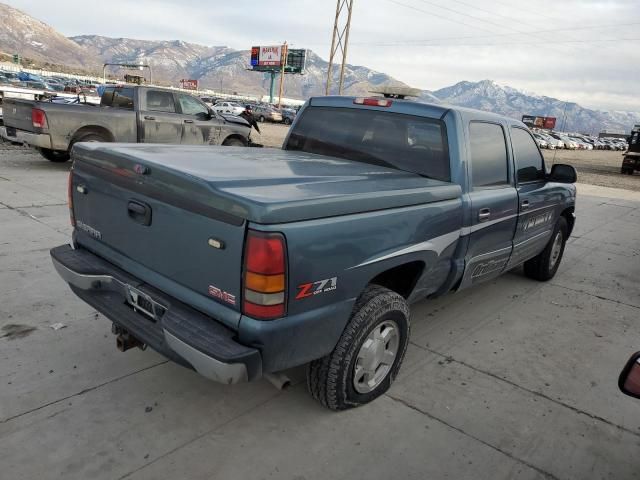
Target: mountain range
225,69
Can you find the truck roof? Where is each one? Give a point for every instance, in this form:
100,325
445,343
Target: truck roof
412,107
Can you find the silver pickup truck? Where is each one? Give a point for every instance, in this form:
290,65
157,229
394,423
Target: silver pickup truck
126,114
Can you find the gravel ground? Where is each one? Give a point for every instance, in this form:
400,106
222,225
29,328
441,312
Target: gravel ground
597,167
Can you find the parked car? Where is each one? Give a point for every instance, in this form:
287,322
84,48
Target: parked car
553,142
11,77
126,114
542,143
241,263
230,108
266,113
288,115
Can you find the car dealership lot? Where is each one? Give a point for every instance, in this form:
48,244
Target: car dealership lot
513,379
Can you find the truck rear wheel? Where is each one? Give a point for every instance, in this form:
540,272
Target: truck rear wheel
233,142
56,156
366,359
91,137
544,266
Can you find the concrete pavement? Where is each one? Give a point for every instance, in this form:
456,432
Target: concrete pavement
512,379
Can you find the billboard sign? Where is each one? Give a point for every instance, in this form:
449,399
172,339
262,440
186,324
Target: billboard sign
531,121
270,56
189,84
267,59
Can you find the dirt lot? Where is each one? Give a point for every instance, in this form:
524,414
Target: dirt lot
597,167
514,379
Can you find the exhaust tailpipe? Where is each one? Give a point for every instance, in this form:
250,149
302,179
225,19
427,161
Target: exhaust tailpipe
278,380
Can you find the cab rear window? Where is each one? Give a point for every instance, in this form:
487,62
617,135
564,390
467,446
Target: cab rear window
404,142
118,98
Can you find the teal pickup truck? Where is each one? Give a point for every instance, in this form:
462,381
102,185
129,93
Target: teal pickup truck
241,263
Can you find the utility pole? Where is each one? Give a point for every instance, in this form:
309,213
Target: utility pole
340,41
284,63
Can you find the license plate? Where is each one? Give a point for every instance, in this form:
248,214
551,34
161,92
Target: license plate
141,302
11,131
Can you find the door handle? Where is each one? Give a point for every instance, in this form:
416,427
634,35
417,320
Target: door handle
484,214
147,117
139,212
524,205
188,121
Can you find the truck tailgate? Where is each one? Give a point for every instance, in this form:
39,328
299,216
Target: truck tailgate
17,113
154,223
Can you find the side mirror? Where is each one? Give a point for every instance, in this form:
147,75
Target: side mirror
562,173
629,381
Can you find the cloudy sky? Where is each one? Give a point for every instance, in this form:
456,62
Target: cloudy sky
586,51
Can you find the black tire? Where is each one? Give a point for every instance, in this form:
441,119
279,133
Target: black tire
56,156
91,137
261,119
233,142
287,121
541,267
330,379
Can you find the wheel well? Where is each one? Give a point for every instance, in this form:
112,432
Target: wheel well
567,213
81,132
237,137
401,279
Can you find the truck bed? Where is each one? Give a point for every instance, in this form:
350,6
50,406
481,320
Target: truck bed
267,186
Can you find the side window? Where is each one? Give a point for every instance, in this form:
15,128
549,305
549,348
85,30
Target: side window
529,163
159,101
118,98
489,162
191,105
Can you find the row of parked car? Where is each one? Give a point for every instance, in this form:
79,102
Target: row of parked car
52,84
560,140
262,112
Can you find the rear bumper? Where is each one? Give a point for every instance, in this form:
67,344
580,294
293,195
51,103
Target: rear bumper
39,140
179,332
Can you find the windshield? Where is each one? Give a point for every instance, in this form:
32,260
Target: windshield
405,142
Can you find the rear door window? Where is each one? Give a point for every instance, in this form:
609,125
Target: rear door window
489,161
400,141
159,101
529,161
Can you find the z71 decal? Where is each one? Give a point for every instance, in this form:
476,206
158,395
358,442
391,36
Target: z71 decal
315,288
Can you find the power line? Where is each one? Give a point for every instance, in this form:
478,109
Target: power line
566,43
502,44
470,37
475,17
432,14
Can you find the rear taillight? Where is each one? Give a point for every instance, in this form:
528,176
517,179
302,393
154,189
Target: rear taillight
38,118
264,276
72,217
373,102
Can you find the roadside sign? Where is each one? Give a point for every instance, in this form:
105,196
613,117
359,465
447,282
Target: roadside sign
189,84
532,121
